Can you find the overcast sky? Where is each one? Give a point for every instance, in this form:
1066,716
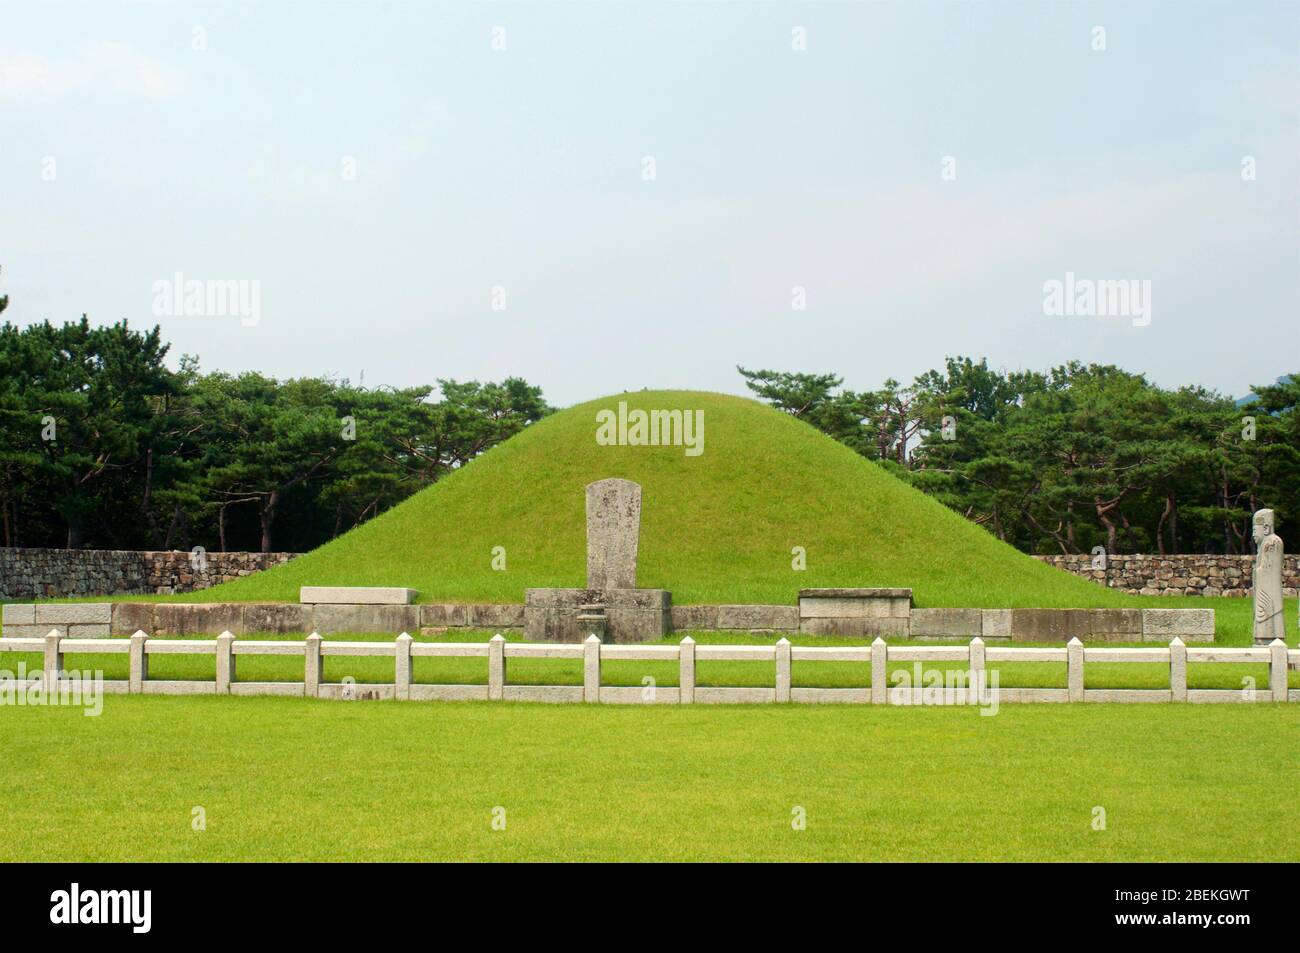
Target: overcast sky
380,169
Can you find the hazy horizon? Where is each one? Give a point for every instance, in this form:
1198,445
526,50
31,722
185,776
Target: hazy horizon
387,176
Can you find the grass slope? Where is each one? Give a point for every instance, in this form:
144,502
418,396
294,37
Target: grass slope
718,527
421,781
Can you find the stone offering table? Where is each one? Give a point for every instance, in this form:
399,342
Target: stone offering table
869,611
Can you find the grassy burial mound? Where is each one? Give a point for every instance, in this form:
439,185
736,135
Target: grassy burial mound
722,511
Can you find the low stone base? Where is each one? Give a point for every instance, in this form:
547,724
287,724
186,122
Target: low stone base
336,619
884,628
356,595
71,620
176,619
758,618
949,623
631,615
1055,626
855,612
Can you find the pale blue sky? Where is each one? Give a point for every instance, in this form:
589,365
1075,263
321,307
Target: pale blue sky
523,168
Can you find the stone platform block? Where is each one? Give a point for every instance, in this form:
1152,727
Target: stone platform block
854,603
1190,625
1050,625
440,615
172,619
1116,625
694,618
70,613
19,614
947,623
496,616
550,598
855,611
280,618
330,619
759,618
132,617
356,595
32,632
551,624
638,615
858,592
633,615
996,624
892,626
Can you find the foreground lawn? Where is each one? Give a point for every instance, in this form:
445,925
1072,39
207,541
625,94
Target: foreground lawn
314,780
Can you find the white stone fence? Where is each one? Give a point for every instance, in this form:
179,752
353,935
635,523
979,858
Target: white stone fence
314,651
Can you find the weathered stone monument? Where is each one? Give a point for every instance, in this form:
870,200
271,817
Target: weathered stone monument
611,607
1266,580
613,532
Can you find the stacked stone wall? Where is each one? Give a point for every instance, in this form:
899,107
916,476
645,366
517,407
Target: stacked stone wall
63,573
1181,575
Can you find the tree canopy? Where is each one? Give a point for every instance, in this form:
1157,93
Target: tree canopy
1071,459
102,445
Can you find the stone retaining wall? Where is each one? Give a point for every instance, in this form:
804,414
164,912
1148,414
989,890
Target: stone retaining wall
1181,575
992,625
169,620
65,573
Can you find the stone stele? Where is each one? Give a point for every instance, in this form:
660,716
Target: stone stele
613,529
1267,580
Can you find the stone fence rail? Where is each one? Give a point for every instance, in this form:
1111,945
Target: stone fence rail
1179,575
66,573
974,688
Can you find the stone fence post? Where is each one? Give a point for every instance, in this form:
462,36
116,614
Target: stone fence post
1074,669
591,669
53,662
879,673
496,668
783,665
225,662
139,663
1178,670
1277,669
686,671
402,667
976,659
311,668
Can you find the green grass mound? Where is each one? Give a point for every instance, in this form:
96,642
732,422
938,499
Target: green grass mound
719,527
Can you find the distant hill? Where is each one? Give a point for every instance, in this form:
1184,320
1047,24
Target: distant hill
1251,398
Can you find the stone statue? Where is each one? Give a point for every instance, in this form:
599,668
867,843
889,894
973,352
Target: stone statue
1266,580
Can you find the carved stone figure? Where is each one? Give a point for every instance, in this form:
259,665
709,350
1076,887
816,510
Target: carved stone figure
1266,580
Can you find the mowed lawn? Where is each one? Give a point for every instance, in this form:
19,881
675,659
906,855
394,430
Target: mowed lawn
315,780
281,778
